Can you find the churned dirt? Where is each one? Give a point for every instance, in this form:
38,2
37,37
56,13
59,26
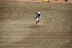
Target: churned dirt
18,28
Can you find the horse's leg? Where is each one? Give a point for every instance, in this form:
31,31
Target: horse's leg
37,22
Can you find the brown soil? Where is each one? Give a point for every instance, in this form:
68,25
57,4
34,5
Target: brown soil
18,28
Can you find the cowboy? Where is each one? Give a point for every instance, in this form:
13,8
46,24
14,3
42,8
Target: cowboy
38,18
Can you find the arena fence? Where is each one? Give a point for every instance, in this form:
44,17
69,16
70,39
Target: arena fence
67,1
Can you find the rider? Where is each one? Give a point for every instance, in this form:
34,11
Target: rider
38,18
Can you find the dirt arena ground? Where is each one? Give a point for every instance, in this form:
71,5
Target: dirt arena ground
18,28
